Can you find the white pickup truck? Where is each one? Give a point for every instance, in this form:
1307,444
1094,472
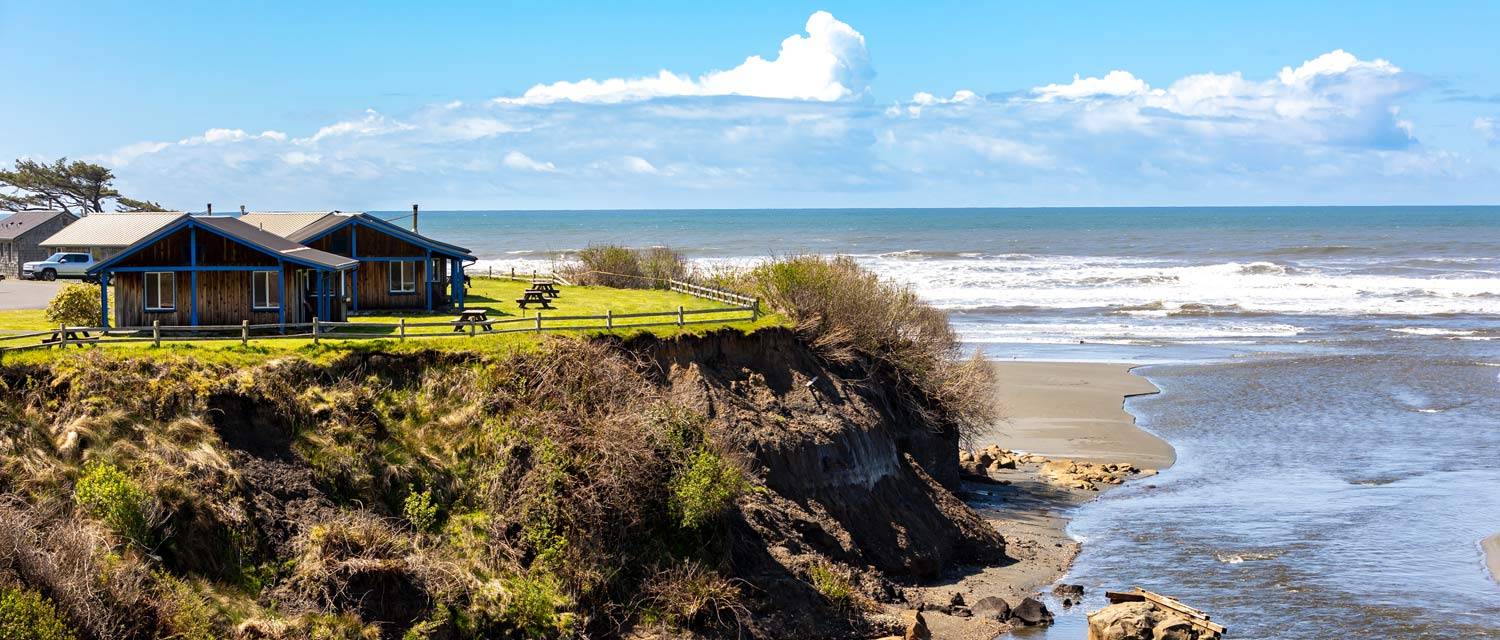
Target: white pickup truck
59,265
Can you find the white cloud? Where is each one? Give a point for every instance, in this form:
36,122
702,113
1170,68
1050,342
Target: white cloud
637,164
829,63
373,123
1487,129
523,162
300,158
1115,83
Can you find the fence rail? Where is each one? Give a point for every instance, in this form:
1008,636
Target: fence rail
64,336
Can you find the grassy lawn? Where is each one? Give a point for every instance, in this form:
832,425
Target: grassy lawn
497,295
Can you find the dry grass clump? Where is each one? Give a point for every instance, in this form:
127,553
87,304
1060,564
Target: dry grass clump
690,594
848,312
626,268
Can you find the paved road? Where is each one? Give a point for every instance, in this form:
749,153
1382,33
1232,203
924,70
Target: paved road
27,294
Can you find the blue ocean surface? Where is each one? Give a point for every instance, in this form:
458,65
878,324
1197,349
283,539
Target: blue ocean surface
1330,378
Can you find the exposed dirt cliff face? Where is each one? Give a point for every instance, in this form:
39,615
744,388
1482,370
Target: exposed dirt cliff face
854,475
287,484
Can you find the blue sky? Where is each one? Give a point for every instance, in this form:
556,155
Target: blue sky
546,105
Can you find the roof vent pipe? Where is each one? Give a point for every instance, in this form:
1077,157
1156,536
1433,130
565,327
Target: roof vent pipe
210,208
242,209
413,218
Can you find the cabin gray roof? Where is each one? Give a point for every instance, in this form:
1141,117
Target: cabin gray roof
273,243
20,222
111,229
303,226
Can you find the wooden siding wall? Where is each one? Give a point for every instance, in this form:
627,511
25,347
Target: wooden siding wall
374,277
213,250
224,297
26,248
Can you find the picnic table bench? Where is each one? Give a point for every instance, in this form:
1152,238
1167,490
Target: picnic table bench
534,296
545,286
71,335
473,317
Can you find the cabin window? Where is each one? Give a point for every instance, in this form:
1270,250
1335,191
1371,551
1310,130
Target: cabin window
265,290
161,291
403,277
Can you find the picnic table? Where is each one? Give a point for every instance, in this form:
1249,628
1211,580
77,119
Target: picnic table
534,296
545,286
71,335
473,317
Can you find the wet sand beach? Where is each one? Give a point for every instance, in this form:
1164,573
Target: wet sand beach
1491,547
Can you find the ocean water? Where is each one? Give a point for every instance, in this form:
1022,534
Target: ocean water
1330,378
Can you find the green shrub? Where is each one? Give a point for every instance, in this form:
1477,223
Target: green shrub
109,495
76,305
26,615
705,488
419,511
625,268
533,603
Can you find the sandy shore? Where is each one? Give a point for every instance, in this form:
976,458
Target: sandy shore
1057,410
1491,546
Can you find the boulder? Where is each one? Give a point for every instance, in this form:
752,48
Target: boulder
916,628
1074,591
992,608
956,600
1174,628
1124,621
1032,613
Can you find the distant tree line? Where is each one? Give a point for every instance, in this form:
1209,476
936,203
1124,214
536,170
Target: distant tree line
77,186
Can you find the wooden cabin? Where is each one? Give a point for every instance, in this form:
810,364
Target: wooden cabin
205,270
398,268
21,236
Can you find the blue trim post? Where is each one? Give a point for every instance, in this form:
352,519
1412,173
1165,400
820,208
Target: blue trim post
427,278
104,300
318,274
193,275
281,294
354,277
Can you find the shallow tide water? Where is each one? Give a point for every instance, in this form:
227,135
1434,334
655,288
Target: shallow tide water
1330,378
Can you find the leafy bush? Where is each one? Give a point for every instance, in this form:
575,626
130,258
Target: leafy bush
532,604
849,312
625,268
26,615
106,493
705,488
419,511
76,305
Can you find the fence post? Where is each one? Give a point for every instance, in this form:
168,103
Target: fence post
62,332
538,322
244,333
512,273
315,330
472,326
492,271
755,310
403,329
156,333
609,319
679,315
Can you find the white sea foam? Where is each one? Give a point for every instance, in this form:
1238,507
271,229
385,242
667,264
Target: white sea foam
1157,288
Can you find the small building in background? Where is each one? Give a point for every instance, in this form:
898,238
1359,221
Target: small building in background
22,236
216,270
102,235
399,269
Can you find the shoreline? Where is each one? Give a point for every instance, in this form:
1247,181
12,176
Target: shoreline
1059,410
1490,547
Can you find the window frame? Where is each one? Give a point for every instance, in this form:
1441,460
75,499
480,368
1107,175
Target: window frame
397,282
271,285
146,291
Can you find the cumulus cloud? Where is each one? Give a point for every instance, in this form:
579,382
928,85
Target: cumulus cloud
790,131
829,63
